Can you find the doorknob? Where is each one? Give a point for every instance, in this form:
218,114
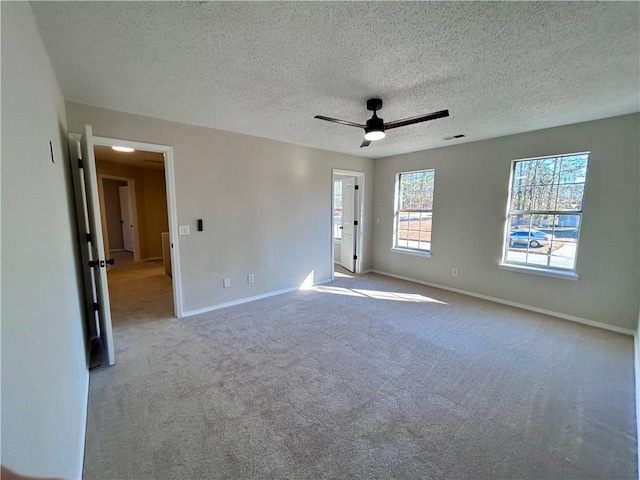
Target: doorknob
341,227
111,261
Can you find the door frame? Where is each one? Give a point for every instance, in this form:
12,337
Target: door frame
358,215
131,183
170,185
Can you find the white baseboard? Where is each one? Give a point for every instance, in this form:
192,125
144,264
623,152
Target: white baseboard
240,301
82,440
572,318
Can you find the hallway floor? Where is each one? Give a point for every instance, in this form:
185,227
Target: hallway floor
139,291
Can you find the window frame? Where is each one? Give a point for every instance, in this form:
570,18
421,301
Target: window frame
539,269
396,215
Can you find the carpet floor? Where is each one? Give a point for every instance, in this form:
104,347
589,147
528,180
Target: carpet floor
367,377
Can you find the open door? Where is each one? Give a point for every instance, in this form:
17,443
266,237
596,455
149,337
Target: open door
348,248
85,186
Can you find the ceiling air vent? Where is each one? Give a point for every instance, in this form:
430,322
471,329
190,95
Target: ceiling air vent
460,135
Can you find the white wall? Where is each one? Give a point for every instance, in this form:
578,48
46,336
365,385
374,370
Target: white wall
44,373
266,205
471,187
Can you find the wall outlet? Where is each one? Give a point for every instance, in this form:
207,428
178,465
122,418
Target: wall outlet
251,278
226,282
454,271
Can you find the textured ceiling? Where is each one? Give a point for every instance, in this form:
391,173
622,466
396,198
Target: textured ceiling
267,68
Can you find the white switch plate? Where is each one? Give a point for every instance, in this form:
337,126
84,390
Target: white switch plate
226,282
251,278
184,230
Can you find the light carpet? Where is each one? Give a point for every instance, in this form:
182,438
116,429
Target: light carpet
367,377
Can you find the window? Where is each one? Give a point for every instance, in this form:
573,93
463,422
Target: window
545,212
414,211
337,210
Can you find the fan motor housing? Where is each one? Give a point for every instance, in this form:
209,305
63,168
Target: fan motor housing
374,104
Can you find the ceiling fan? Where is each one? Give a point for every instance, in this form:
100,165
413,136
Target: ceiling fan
375,127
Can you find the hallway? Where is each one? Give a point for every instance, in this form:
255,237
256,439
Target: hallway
139,292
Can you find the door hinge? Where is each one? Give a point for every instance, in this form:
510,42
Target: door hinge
355,222
96,306
80,163
355,257
356,187
88,237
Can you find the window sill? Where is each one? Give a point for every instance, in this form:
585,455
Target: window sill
407,251
545,272
337,240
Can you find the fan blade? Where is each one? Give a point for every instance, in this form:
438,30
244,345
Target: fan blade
418,119
365,143
341,122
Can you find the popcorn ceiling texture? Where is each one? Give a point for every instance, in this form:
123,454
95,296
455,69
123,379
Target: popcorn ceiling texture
266,69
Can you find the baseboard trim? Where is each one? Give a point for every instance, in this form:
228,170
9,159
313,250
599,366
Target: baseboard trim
240,301
572,318
152,259
82,440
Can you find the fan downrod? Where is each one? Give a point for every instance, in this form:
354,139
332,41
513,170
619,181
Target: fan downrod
374,104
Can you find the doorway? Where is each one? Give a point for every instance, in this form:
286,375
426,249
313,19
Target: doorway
134,214
82,149
347,220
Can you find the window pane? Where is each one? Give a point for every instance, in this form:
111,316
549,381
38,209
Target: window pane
565,242
545,197
573,169
570,196
546,172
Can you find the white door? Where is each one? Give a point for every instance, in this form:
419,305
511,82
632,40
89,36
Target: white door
126,218
85,183
349,231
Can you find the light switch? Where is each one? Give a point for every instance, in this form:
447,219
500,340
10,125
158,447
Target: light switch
184,230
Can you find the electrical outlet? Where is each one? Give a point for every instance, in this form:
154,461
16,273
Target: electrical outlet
251,278
226,282
454,271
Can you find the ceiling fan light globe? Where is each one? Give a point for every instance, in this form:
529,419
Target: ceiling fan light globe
374,135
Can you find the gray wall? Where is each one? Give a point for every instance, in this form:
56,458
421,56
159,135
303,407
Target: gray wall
44,373
266,205
470,202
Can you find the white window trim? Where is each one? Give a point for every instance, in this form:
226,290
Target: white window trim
411,251
396,210
546,271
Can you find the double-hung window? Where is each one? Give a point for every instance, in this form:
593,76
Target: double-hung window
414,211
545,212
